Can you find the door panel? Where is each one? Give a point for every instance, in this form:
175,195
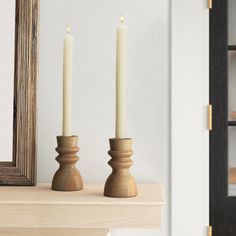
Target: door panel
189,134
223,135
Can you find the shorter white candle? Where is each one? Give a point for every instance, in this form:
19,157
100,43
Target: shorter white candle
121,77
67,80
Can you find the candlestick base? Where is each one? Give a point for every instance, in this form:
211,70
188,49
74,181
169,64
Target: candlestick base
120,184
67,177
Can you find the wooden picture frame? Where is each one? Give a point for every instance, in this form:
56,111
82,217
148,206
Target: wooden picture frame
22,169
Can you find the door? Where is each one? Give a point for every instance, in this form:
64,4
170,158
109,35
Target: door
189,133
223,135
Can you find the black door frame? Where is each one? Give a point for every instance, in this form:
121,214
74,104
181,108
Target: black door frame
222,206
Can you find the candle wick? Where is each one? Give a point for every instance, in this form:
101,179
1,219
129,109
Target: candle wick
122,18
68,30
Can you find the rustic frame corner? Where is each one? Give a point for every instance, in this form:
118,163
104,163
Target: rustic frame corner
22,169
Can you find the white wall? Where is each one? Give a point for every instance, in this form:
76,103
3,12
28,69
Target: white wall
93,25
7,29
232,82
232,18
232,90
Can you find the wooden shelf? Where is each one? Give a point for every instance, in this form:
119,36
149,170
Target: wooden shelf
232,47
41,208
232,175
52,232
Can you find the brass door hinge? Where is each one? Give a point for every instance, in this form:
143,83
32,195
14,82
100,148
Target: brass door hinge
209,4
209,119
209,231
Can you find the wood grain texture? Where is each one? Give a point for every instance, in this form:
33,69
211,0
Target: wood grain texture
67,177
233,115
52,232
232,175
39,207
120,183
22,170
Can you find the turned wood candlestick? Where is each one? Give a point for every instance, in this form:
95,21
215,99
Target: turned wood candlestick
120,183
67,177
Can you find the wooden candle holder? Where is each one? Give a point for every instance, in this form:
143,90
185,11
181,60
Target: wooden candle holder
120,183
67,177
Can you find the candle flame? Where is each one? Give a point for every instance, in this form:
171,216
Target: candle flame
68,30
122,19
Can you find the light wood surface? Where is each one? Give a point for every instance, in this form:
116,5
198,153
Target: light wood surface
233,115
232,175
40,207
52,232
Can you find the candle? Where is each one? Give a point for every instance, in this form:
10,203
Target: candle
67,79
121,77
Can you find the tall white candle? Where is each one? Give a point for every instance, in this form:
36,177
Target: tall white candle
67,79
121,77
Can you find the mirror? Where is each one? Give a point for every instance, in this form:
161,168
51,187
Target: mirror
18,87
7,27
